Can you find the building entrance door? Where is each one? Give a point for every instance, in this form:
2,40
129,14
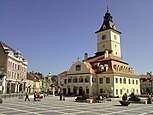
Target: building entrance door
74,90
80,90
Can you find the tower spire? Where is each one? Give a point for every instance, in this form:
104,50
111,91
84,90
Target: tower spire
107,22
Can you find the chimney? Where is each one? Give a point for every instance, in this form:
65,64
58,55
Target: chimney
106,54
85,56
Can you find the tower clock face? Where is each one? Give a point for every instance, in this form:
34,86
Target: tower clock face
103,37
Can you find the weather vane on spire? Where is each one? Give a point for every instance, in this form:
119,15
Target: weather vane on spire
107,8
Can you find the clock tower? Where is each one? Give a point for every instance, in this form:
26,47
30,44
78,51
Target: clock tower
108,37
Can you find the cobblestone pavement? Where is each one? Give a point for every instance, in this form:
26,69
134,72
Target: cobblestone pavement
52,106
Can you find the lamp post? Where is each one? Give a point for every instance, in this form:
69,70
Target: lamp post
16,86
150,73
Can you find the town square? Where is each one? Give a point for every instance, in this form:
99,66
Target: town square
76,57
52,106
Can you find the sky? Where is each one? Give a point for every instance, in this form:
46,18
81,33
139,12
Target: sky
53,34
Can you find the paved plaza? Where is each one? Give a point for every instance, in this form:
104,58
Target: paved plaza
52,106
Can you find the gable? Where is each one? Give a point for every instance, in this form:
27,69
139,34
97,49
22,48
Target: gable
78,68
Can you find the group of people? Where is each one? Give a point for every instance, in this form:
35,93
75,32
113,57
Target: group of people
36,96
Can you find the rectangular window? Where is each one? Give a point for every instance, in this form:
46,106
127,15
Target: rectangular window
65,81
137,91
101,90
12,75
116,91
87,90
100,80
93,80
15,66
69,90
69,80
18,67
15,75
120,91
116,80
107,80
127,90
78,67
18,76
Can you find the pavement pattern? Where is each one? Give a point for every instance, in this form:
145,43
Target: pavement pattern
52,106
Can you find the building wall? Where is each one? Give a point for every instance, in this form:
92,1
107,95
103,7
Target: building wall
38,86
87,85
3,57
30,88
146,86
104,87
83,68
16,70
101,42
113,84
85,80
112,42
115,43
126,84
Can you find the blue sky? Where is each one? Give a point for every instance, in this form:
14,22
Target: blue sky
52,34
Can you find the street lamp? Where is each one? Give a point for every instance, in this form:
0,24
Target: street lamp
150,73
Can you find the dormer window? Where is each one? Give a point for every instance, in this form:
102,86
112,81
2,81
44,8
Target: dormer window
78,67
104,27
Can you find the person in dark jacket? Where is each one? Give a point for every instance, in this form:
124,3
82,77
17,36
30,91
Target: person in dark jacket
27,97
35,96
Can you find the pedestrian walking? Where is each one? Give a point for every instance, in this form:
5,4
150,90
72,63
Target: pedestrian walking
61,96
27,97
35,96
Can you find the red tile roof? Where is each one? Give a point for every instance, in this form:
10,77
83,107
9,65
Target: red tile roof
63,74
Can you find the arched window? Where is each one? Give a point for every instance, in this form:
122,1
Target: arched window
115,67
124,80
116,80
81,79
75,90
129,81
105,67
69,80
120,80
87,79
75,80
